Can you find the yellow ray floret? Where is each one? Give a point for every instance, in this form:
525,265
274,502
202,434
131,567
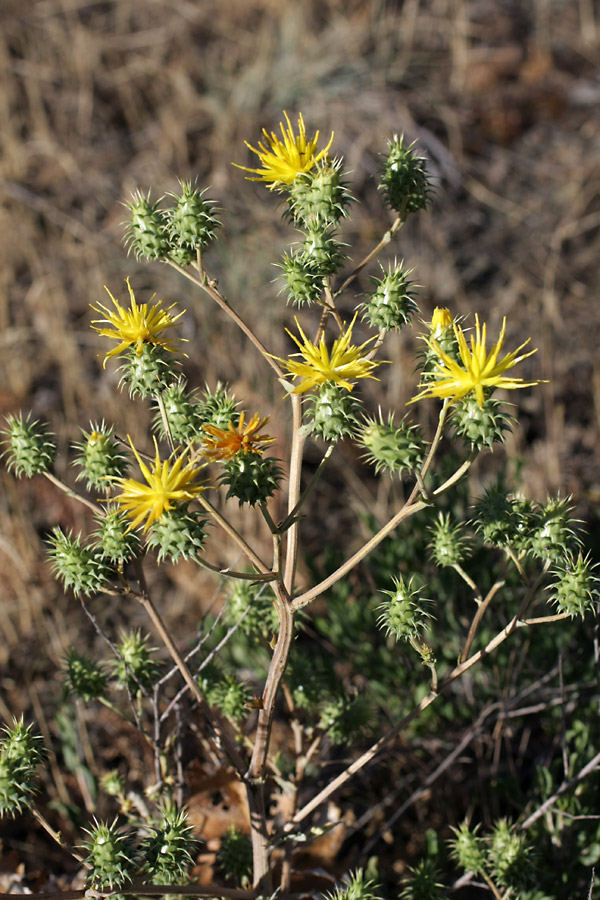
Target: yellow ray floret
168,483
140,324
345,364
283,160
479,369
224,443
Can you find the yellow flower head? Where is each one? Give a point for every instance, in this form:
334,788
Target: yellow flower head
168,482
440,321
224,443
139,325
479,369
346,362
283,161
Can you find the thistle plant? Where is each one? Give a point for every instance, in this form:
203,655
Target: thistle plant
178,494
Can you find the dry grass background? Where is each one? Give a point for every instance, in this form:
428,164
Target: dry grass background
100,97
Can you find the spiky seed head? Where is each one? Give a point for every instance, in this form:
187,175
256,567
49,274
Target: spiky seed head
397,449
480,427
449,545
30,449
405,181
110,856
403,614
146,235
554,535
319,199
191,223
332,412
576,587
181,410
218,407
322,250
251,478
100,457
114,540
468,849
147,373
303,280
178,534
391,305
78,567
168,850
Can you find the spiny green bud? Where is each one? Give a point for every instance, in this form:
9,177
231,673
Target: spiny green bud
30,449
168,850
100,458
359,887
345,718
493,516
422,883
110,855
449,546
21,751
191,223
84,677
321,249
77,566
251,477
391,304
554,535
234,857
440,330
147,373
332,412
135,667
225,692
113,784
217,408
397,449
523,523
403,615
319,198
480,427
303,279
510,857
468,849
577,586
405,180
178,534
21,744
113,539
181,411
251,605
146,233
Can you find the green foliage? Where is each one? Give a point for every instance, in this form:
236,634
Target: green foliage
30,448
423,883
234,858
84,677
135,667
358,887
251,604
